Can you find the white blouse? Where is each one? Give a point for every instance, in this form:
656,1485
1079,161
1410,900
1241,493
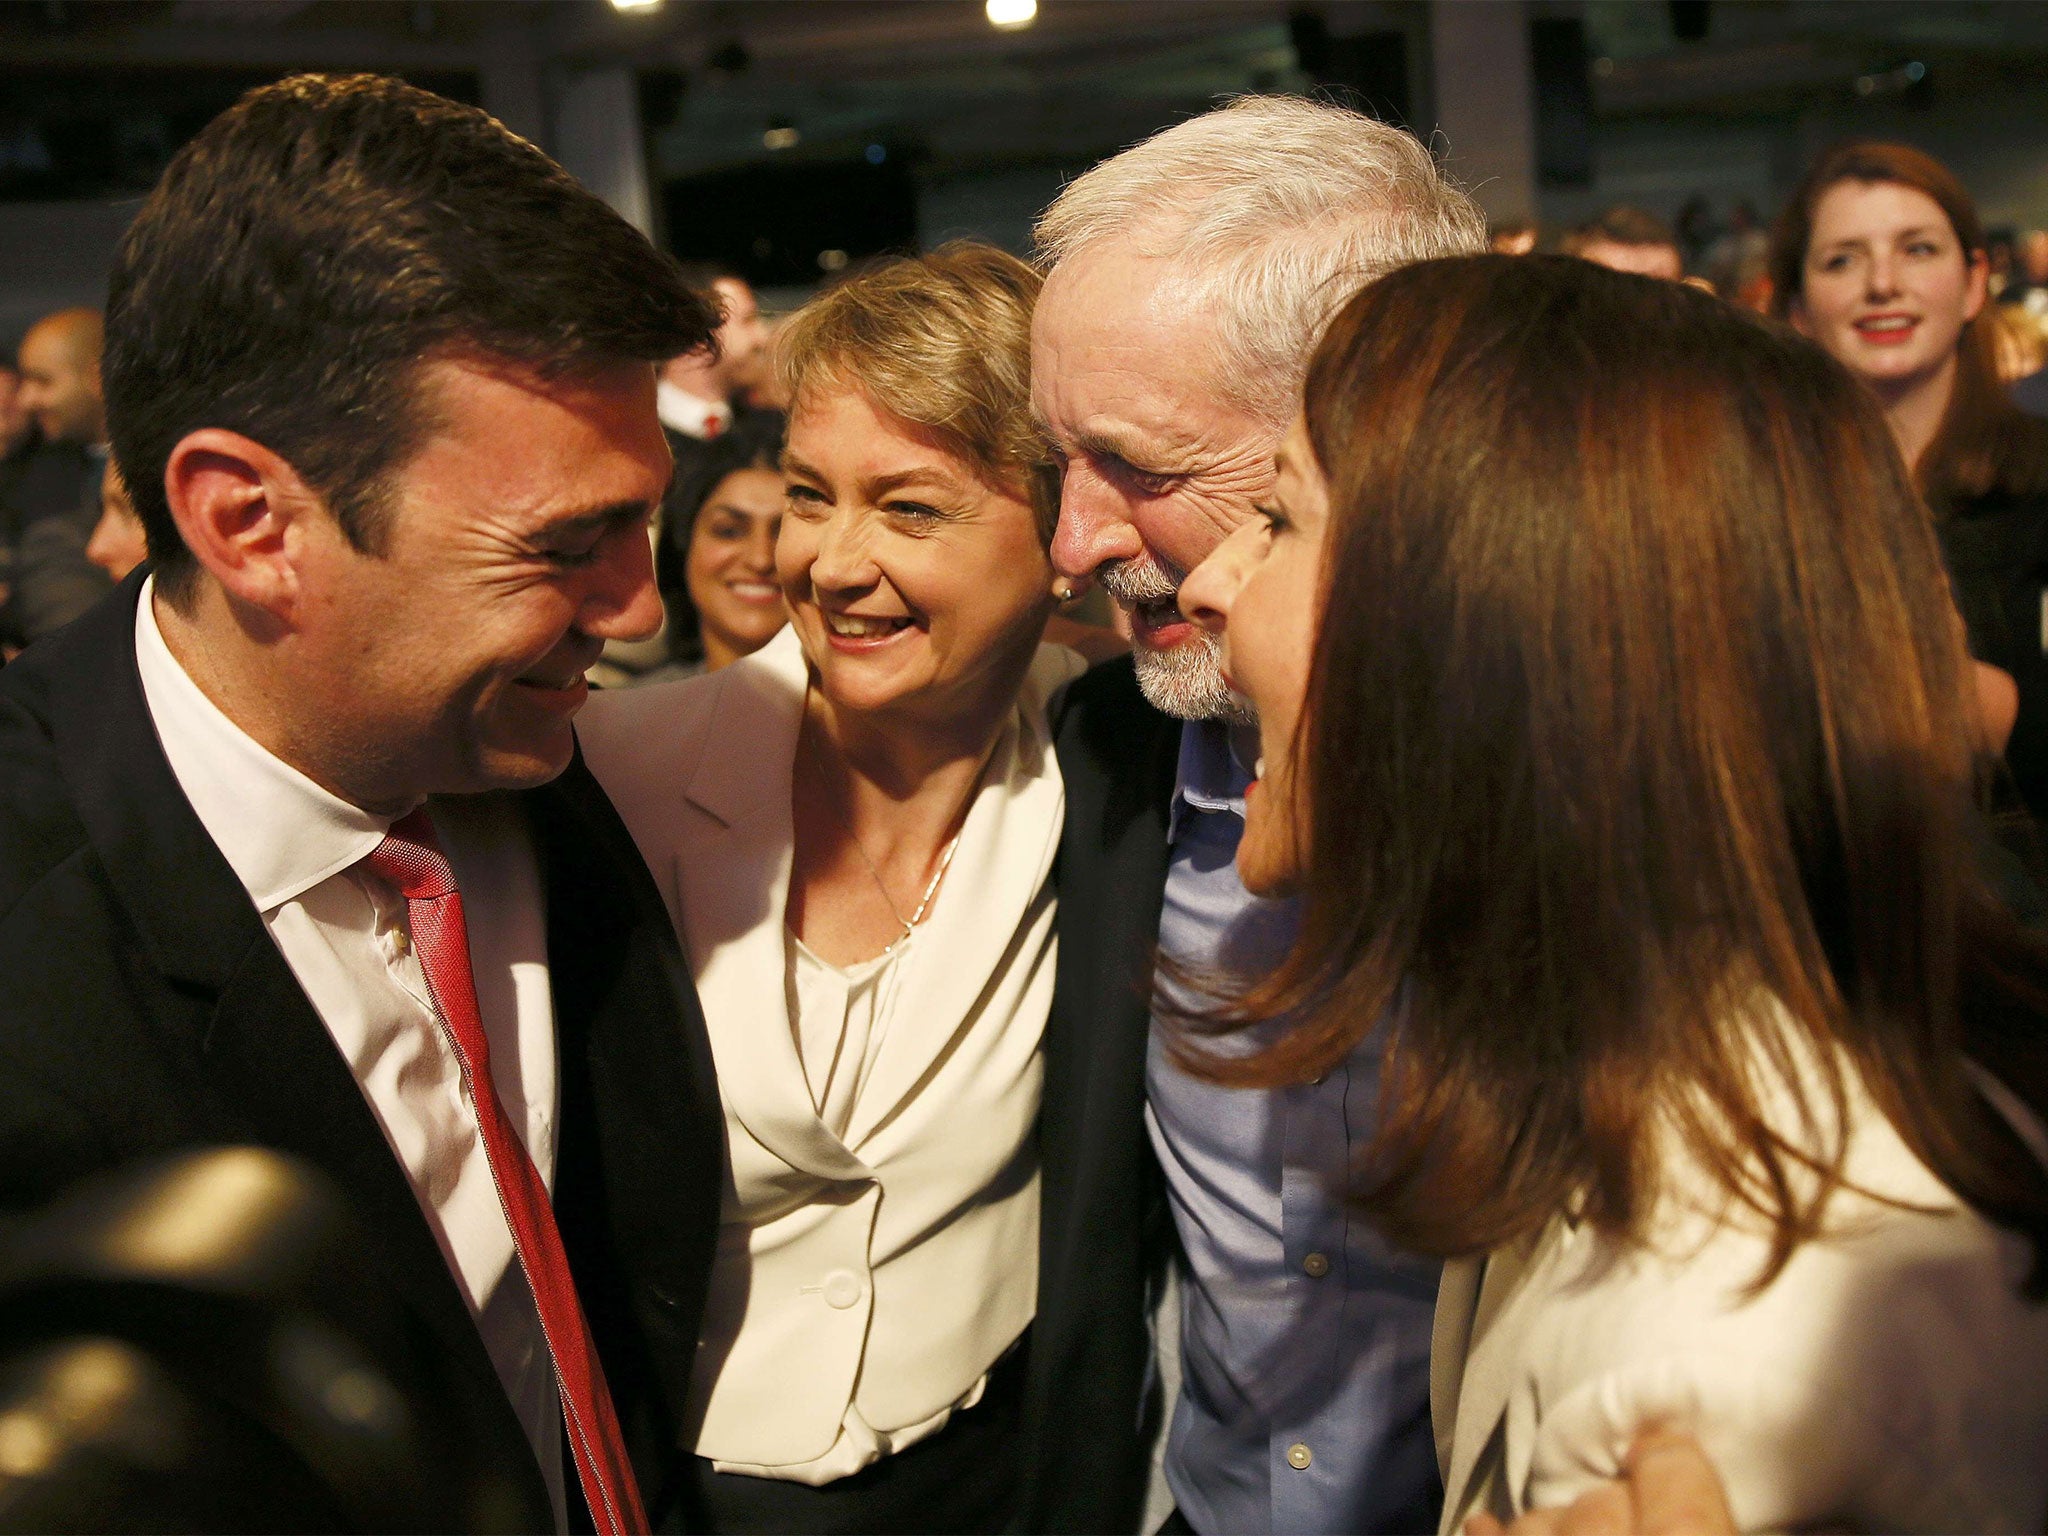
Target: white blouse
879,1251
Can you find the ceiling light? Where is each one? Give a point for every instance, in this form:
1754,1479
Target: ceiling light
636,5
781,136
1011,13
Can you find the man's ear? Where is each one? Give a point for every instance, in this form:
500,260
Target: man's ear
244,513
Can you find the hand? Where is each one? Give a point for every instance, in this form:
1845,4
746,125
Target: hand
1998,706
1668,1487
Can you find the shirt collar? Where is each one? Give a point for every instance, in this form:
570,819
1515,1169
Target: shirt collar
1209,777
681,411
281,833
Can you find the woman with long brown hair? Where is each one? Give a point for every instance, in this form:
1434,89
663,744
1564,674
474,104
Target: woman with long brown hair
1880,258
1616,737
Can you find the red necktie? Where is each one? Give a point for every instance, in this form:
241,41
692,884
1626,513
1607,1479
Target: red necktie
410,858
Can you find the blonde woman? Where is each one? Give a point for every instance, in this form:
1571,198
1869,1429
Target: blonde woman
853,828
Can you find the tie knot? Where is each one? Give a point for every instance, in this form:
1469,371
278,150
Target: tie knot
410,858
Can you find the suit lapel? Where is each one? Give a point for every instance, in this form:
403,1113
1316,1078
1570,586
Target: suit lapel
642,1155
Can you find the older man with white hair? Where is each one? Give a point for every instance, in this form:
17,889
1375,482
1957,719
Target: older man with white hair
1190,278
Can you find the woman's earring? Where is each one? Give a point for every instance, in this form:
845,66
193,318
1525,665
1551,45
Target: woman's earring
1065,594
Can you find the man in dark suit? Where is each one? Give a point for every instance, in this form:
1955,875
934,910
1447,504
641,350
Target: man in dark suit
295,847
1189,279
50,499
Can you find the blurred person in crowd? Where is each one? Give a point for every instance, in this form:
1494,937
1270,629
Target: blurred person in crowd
118,543
295,849
18,438
54,497
17,426
2019,343
2028,287
716,563
1731,259
701,390
2001,246
60,378
1879,257
2030,394
1513,237
1189,278
1627,239
1670,880
855,828
699,398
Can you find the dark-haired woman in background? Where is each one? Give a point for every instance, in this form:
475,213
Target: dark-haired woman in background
715,564
714,560
1617,738
1879,257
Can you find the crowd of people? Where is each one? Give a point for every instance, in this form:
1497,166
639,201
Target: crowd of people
1526,923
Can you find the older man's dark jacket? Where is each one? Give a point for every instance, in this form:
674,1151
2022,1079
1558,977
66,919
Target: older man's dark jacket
1089,1413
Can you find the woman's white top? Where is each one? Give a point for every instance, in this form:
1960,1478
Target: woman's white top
879,1246
1890,1378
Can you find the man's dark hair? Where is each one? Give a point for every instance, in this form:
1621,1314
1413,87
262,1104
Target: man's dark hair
1620,225
321,240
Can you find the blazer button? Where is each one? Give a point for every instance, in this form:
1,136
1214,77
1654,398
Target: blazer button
842,1289
1316,1265
1299,1456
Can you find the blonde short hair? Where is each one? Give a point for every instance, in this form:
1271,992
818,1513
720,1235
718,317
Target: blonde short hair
941,341
1272,211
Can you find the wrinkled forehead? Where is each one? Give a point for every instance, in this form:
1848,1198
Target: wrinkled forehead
1107,317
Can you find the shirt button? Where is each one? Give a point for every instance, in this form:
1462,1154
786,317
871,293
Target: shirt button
1299,1456
1316,1265
842,1289
401,941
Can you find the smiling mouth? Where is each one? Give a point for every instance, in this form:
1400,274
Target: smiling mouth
850,626
1886,325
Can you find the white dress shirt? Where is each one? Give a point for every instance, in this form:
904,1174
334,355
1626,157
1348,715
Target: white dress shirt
691,415
298,851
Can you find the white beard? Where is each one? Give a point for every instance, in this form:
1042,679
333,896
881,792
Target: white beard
1186,681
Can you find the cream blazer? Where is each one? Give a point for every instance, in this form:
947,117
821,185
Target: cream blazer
1889,1379
911,1245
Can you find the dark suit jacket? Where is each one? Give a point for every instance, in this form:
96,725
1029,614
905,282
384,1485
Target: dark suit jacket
144,1008
49,503
1996,549
1105,1231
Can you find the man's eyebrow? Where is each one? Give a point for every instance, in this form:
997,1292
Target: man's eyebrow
1104,443
600,517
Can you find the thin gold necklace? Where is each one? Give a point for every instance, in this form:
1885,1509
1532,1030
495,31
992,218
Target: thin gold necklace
909,923
945,858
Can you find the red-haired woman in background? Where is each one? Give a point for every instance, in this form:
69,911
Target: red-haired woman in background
1616,736
1879,257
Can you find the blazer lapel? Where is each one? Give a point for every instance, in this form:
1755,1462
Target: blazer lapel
1487,1369
730,882
1005,853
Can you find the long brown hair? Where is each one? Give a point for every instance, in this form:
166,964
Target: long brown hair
1985,443
1637,698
